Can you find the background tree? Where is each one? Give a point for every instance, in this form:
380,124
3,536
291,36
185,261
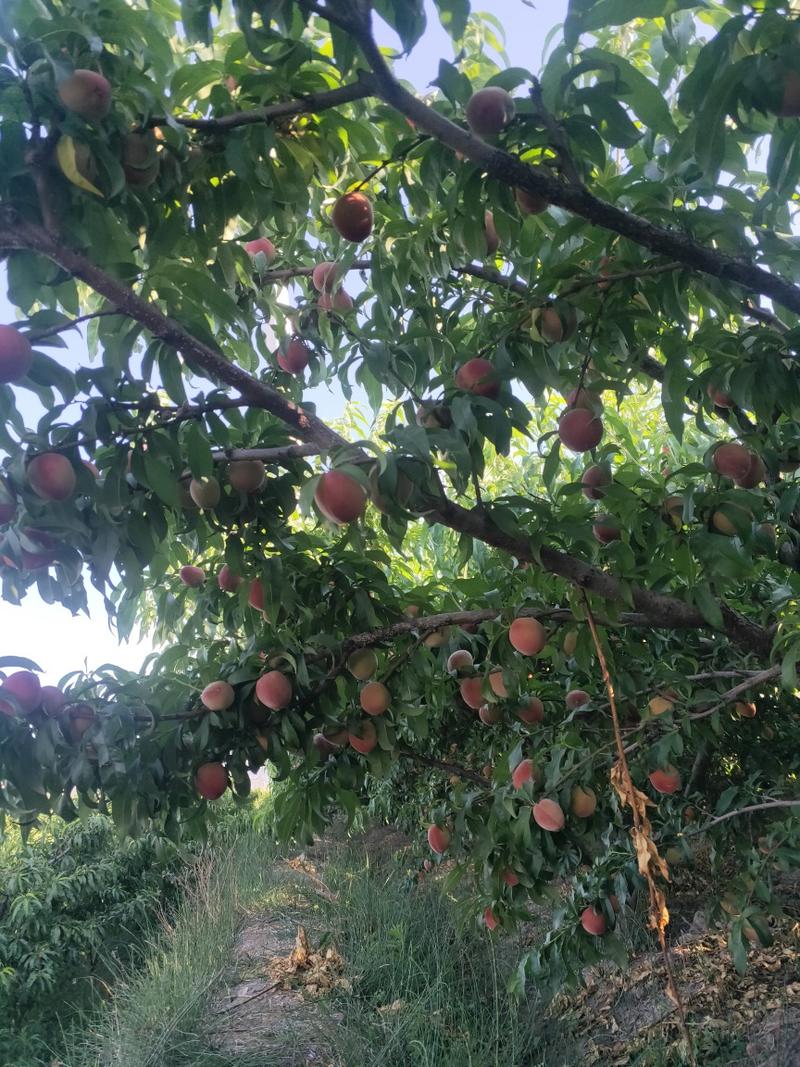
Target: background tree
568,296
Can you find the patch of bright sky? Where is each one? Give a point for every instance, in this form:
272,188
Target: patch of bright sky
48,634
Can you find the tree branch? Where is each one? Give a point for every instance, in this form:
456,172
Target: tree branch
305,105
766,806
50,331
442,765
572,197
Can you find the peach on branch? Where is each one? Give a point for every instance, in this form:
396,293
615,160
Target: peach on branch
438,838
523,773
139,159
756,475
366,739
527,635
580,429
531,712
362,663
87,93
205,492
340,498
732,460
293,357
460,660
585,398
548,815
436,638
745,709
718,397
261,245
489,714
16,355
323,744
352,216
218,696
530,203
489,110
510,877
325,277
255,597
479,377
605,529
51,476
594,481
583,801
79,718
338,301
274,690
490,919
53,700
471,690
246,475
38,549
25,687
662,702
577,698
665,780
593,921
192,576
497,684
433,416
374,698
227,580
731,519
570,642
211,780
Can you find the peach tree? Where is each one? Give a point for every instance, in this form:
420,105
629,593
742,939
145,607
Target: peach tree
542,601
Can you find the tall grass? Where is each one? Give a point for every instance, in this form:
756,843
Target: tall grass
157,1015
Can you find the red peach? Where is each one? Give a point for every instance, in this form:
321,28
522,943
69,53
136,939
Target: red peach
340,498
274,690
352,216
51,476
548,815
218,696
527,636
479,377
211,780
16,355
438,838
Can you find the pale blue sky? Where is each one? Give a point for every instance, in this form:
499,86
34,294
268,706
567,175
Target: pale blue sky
48,634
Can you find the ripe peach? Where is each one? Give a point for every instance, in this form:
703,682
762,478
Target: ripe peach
52,700
523,772
218,696
580,429
27,689
577,698
79,718
583,801
724,524
490,919
605,529
211,780
338,301
205,492
227,580
438,838
294,356
548,815
339,497
497,684
192,576
492,238
255,597
530,203
436,638
274,690
718,397
51,476
594,481
489,714
262,245
673,510
732,460
246,475
489,110
593,922
665,780
550,325
325,277
471,692
32,540
527,636
745,709
510,877
139,159
479,377
374,698
411,611
756,475
662,702
366,739
433,416
531,712
459,661
362,664
323,745
16,355
352,216
87,93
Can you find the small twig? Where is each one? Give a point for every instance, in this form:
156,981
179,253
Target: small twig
737,690
443,765
588,355
558,138
247,1000
49,331
397,158
741,811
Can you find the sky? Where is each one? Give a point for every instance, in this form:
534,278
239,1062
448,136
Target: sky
49,634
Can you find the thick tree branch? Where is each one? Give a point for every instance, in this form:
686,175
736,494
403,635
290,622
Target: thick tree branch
305,105
442,765
573,198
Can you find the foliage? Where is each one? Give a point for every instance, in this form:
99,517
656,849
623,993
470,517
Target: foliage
664,255
76,902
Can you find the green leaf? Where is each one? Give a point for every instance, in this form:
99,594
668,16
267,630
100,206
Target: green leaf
708,605
453,15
